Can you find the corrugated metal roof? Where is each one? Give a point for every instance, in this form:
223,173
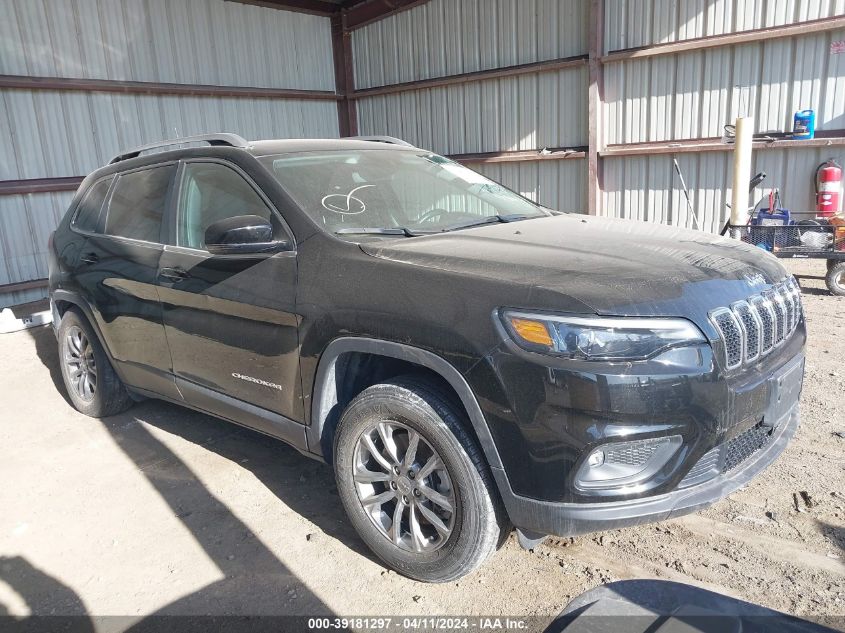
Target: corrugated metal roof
49,134
175,41
694,94
447,37
520,113
634,23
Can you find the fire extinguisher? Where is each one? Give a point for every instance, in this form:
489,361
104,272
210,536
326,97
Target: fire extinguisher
828,188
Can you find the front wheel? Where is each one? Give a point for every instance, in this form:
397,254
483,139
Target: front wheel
414,482
835,279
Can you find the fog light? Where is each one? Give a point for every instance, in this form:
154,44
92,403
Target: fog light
625,464
596,458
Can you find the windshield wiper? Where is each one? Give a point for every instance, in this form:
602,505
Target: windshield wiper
490,219
399,230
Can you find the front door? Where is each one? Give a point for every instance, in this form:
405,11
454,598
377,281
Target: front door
230,320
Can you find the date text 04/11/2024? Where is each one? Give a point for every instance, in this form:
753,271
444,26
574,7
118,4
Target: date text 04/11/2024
421,623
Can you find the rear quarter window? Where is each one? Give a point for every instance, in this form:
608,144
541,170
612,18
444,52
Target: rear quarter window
87,213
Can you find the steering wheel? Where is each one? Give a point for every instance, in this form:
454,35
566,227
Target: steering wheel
428,216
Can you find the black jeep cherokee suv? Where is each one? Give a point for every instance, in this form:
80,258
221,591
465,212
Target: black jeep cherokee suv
465,359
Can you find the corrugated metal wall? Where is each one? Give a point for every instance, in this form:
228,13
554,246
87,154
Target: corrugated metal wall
681,96
648,188
53,134
173,41
62,133
447,37
517,113
634,23
26,222
695,94
557,184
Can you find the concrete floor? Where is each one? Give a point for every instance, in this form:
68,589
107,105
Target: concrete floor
164,511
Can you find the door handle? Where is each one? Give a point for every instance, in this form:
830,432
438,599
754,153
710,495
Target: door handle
174,274
90,258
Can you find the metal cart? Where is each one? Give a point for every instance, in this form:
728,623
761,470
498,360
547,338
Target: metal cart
804,240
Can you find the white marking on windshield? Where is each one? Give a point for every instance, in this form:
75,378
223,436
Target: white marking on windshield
348,198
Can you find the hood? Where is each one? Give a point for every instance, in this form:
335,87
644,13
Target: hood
616,267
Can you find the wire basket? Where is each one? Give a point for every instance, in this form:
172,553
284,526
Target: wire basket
793,240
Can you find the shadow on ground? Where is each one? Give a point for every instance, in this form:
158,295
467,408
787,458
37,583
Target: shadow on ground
819,292
48,353
255,581
304,485
835,533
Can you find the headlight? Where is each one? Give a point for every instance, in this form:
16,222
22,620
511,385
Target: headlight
599,338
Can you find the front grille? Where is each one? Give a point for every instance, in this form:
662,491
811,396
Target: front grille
745,445
728,456
753,328
766,312
732,335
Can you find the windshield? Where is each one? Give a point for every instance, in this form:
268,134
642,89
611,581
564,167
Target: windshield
395,193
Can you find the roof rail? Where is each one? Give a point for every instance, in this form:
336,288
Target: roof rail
229,140
391,140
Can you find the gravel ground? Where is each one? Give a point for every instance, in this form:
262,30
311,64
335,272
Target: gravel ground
162,510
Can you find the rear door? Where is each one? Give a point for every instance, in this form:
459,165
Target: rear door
118,270
230,320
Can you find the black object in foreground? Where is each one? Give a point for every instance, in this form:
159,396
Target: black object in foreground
661,606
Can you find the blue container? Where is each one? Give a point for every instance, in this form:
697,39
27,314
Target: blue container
804,126
770,239
766,217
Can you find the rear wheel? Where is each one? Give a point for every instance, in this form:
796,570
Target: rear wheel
90,380
835,279
414,482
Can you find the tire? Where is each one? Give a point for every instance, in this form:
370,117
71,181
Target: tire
428,553
90,380
835,279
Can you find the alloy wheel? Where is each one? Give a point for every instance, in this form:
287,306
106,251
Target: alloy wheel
404,487
80,366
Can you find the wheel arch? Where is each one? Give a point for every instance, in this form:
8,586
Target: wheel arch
325,397
64,300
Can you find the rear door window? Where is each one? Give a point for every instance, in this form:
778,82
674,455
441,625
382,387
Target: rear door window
137,204
88,212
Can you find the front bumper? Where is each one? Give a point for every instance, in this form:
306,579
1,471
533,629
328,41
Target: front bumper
572,519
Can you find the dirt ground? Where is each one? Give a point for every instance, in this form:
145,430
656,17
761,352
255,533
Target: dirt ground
162,510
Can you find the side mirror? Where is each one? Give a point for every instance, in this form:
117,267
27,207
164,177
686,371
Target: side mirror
243,235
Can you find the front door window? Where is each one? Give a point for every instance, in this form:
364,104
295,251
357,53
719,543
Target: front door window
213,192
